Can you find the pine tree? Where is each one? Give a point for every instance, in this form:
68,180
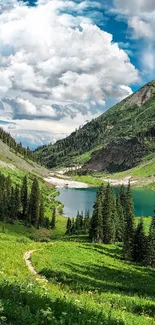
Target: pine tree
139,243
109,216
41,213
24,199
96,225
34,203
68,226
53,221
81,221
151,243
11,204
77,222
129,225
8,186
120,225
87,222
46,223
122,194
16,202
73,226
2,198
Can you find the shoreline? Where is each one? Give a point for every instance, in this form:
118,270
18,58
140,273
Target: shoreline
65,183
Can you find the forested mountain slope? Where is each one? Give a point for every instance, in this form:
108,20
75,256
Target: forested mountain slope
117,140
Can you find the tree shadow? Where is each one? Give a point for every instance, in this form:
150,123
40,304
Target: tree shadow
103,279
25,306
115,252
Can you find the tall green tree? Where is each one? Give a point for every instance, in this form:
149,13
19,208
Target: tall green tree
68,226
109,216
24,199
120,223
53,220
122,194
41,213
17,202
129,225
151,243
34,203
96,225
139,243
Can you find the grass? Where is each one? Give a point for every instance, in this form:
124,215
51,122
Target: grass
85,157
89,179
98,280
88,284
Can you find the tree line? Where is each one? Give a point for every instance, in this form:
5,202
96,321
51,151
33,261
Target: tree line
17,147
79,225
113,221
20,203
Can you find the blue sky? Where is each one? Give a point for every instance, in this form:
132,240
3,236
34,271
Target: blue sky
65,62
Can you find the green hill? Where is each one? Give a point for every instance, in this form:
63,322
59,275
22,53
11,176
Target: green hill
115,141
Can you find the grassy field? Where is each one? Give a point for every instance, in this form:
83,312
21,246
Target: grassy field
87,283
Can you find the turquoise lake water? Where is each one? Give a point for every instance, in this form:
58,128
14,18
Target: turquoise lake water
82,199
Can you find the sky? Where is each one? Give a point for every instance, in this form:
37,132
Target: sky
64,62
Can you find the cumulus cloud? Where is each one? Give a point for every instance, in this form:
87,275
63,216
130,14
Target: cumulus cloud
59,55
141,16
55,64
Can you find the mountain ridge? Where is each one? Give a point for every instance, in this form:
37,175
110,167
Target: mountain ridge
132,118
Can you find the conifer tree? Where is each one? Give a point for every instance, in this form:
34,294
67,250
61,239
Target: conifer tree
151,243
81,220
16,202
77,222
122,194
8,186
109,216
11,204
34,203
68,226
120,224
46,223
96,225
2,198
41,213
53,221
24,199
87,221
129,225
139,244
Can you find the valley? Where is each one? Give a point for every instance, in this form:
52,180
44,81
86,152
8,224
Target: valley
50,277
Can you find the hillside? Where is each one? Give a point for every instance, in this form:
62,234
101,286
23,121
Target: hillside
115,141
14,160
76,283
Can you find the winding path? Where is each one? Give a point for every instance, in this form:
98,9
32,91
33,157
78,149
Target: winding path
27,256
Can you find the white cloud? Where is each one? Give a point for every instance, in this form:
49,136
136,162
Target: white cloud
62,60
140,15
141,28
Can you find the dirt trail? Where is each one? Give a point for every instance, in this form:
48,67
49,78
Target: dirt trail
27,256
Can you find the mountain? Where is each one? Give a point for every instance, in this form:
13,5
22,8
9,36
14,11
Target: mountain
17,158
115,141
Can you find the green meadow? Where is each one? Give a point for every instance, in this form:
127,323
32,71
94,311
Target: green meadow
87,283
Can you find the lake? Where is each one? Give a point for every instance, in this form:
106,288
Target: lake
82,199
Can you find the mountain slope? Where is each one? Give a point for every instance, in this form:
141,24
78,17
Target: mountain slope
11,159
117,140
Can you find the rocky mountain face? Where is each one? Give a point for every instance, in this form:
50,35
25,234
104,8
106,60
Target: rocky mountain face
118,156
115,141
